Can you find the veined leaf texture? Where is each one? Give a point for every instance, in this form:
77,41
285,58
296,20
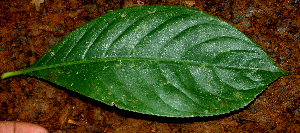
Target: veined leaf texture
160,60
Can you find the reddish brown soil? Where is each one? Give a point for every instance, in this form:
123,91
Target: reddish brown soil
27,33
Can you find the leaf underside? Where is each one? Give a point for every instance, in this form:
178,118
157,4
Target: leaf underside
160,60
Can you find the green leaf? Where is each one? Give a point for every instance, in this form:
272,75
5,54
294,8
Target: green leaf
160,60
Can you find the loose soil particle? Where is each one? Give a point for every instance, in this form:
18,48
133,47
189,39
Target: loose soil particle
26,34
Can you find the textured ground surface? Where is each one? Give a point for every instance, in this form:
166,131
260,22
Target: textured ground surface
28,31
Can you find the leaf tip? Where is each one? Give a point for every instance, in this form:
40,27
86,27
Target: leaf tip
288,73
285,73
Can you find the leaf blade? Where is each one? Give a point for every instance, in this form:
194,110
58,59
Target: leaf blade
160,60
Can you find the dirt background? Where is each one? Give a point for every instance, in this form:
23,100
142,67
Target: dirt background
31,27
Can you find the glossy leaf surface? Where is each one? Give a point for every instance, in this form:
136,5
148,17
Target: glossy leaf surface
160,60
